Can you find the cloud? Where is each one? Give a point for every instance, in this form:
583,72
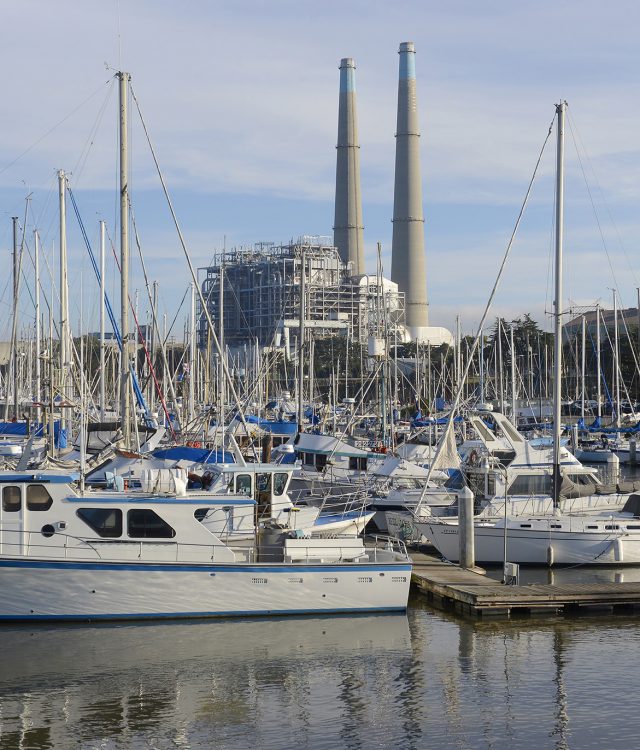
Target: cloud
241,102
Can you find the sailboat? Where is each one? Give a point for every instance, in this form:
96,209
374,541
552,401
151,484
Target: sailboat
559,537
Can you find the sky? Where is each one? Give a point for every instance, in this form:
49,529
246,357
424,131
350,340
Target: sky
241,99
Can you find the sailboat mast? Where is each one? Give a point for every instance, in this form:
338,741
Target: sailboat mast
557,362
64,303
102,321
301,341
125,390
38,394
14,338
598,363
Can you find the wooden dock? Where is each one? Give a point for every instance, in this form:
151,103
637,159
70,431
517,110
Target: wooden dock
473,593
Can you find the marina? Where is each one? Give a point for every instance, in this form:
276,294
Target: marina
319,377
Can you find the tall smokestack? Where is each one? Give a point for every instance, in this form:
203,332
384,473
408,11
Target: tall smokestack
408,267
348,229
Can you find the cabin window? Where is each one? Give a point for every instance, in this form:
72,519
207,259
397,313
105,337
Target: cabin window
145,523
200,514
592,527
632,528
263,482
525,525
279,483
11,499
243,484
583,479
531,484
321,461
513,435
613,527
38,497
556,525
308,459
358,463
106,522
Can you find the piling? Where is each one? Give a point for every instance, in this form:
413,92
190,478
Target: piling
465,529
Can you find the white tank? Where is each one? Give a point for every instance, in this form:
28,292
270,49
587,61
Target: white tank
376,347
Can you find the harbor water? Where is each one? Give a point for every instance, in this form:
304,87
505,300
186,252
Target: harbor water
388,681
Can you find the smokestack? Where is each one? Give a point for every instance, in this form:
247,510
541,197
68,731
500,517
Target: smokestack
408,267
348,229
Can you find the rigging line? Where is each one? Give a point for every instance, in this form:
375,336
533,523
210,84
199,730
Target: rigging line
507,253
80,165
155,323
604,200
593,206
193,275
57,125
117,267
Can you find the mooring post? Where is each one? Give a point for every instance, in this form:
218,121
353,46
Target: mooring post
465,529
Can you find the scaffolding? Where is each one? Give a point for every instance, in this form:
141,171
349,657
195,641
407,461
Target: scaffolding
262,294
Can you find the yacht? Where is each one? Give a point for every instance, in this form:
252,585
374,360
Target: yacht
68,553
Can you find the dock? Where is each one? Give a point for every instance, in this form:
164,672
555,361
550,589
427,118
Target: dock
448,586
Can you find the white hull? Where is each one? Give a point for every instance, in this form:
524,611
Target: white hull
540,546
65,590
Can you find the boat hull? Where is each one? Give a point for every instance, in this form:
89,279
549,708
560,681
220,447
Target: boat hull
540,547
39,589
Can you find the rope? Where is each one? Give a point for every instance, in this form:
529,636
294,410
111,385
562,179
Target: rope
458,395
193,273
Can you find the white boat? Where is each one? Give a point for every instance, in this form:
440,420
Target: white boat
561,539
66,554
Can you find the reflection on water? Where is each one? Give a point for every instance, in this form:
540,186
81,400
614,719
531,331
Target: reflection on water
572,574
427,680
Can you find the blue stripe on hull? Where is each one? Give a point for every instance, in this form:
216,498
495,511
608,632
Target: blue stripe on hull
211,567
195,615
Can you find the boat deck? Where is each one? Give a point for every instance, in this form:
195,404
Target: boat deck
472,593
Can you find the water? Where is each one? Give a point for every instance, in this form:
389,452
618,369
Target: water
425,680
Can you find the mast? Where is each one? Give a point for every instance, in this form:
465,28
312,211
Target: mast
301,341
102,321
616,358
583,364
598,361
64,301
192,355
513,377
38,394
125,395
557,362
14,337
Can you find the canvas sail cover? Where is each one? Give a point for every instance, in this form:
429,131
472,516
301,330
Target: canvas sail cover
447,457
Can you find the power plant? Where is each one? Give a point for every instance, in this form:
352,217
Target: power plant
255,293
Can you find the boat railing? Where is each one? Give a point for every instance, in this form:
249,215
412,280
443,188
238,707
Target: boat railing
386,543
68,546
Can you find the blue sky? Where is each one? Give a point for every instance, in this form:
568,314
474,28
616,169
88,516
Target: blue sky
241,101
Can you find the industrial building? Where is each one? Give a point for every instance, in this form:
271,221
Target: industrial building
257,293
259,290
